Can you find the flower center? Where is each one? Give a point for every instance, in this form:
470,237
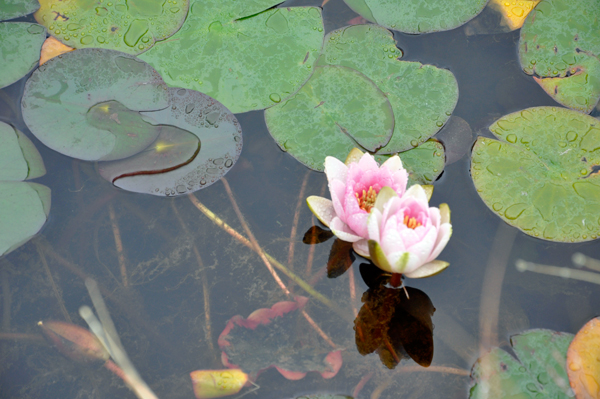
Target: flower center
411,223
366,200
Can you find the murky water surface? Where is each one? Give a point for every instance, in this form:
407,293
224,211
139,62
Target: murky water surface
185,276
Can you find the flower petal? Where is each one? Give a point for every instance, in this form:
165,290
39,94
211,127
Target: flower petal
342,230
378,257
322,208
428,269
337,189
335,169
393,164
443,237
361,247
353,156
417,192
358,223
385,194
445,213
373,225
367,162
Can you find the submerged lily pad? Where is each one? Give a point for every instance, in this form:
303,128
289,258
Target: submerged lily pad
19,159
199,141
542,177
538,372
243,56
93,119
20,46
336,110
418,16
10,9
560,43
124,25
270,338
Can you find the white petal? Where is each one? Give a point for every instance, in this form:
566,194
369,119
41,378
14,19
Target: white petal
428,269
443,237
425,245
434,216
393,164
373,225
335,169
343,231
337,189
361,247
322,208
417,192
445,213
353,156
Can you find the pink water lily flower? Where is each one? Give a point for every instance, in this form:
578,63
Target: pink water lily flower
354,186
406,234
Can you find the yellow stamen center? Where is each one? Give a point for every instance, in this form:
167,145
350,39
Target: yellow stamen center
367,199
411,223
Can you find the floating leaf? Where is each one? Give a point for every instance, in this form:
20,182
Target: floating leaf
560,43
124,25
513,12
10,9
542,176
424,163
217,383
19,159
200,141
422,96
395,326
24,208
269,338
418,16
538,372
20,45
53,48
245,63
583,361
336,110
76,343
82,117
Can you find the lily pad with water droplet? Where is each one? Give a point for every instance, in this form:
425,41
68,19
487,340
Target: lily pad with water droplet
424,163
246,62
93,118
422,96
538,372
19,159
542,176
560,44
199,141
336,110
20,46
418,16
583,360
130,26
10,9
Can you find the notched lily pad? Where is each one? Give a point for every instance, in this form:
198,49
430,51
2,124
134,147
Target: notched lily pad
199,141
538,372
270,338
128,26
560,44
542,177
418,16
20,46
93,119
19,159
245,61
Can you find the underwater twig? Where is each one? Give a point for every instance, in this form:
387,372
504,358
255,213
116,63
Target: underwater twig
299,206
6,298
57,293
205,291
313,241
118,244
563,272
352,284
581,260
491,289
361,384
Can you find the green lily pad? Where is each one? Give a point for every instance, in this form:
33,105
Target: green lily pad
93,119
20,47
422,96
542,177
10,9
336,110
199,141
24,208
246,58
124,25
538,372
560,43
19,159
424,163
418,16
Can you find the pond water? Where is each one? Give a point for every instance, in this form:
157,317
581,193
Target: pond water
186,276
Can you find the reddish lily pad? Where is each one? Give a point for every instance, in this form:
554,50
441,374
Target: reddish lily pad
269,338
583,361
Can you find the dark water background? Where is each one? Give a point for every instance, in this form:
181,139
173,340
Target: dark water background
161,317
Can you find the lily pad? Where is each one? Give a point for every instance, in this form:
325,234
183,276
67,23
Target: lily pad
24,208
424,163
418,16
336,110
124,25
583,360
560,43
10,9
269,338
324,396
20,46
422,96
93,119
243,56
19,159
538,372
199,141
542,177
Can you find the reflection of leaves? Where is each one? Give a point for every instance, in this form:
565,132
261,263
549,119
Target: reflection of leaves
316,235
340,258
394,326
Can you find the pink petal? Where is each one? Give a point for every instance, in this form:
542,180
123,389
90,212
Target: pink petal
367,162
361,247
373,225
391,241
417,192
434,216
424,247
358,223
337,189
342,231
335,169
443,237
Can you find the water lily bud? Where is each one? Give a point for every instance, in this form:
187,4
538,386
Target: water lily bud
73,341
